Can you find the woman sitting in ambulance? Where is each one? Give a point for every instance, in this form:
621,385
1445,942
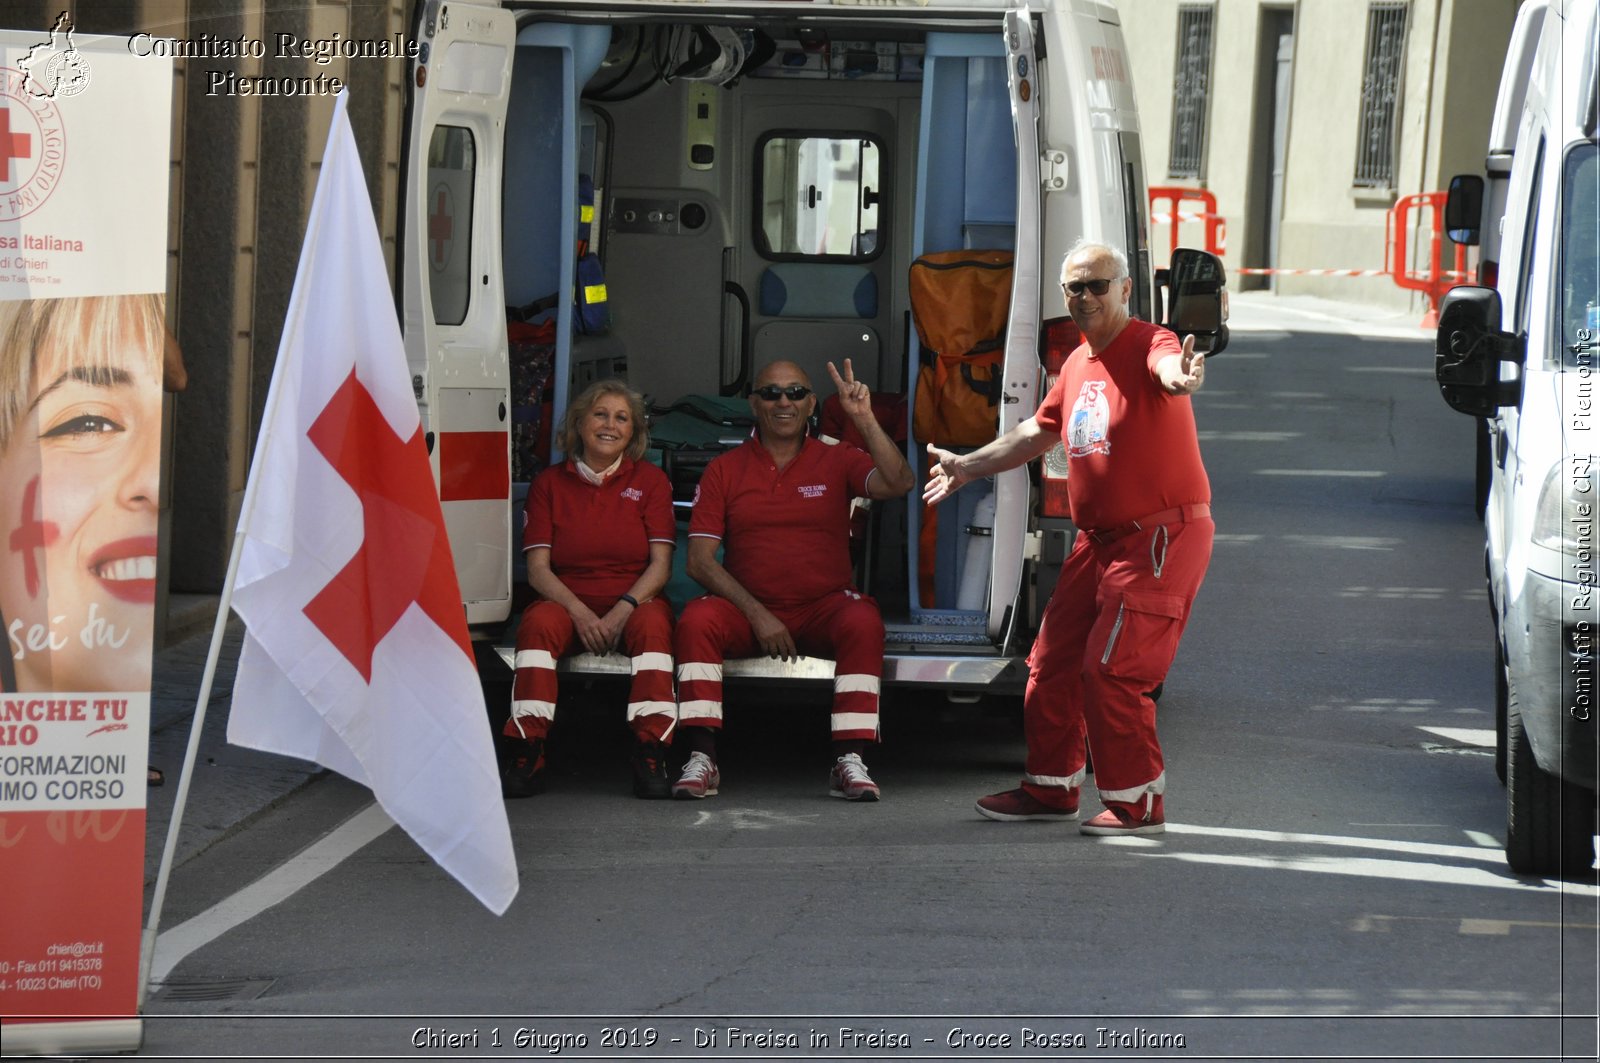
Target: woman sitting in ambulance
598,536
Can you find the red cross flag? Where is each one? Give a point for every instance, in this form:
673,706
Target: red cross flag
356,654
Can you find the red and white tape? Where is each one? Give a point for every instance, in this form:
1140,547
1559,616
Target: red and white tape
1253,272
1314,272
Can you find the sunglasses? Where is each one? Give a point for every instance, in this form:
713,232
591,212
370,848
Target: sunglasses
772,392
1099,286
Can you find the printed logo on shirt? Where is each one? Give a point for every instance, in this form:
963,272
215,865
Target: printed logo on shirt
813,490
633,494
1089,422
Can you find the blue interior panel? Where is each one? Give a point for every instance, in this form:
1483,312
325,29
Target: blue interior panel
966,197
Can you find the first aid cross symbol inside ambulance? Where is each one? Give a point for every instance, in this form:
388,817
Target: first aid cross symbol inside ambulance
405,555
441,225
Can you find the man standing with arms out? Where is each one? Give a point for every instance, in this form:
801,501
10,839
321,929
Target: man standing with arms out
780,507
1141,501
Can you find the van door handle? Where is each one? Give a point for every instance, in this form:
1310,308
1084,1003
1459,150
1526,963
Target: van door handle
1500,445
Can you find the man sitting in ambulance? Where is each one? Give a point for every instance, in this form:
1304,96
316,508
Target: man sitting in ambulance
779,505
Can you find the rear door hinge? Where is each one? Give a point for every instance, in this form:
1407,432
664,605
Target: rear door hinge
1053,170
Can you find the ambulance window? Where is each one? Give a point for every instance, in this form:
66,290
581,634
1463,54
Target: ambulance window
818,196
1580,256
452,168
1532,239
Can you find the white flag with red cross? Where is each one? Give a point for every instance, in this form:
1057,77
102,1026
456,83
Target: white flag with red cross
356,654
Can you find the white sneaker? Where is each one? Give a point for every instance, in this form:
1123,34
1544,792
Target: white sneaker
700,778
849,780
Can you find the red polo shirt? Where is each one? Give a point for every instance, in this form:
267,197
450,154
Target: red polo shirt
786,535
1131,447
599,536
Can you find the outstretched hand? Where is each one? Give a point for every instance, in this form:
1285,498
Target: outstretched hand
944,478
854,396
1191,370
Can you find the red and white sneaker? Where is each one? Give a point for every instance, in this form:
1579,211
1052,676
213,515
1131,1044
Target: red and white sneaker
849,780
700,778
1125,818
1016,806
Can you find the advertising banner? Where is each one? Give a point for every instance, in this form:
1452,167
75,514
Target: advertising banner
84,159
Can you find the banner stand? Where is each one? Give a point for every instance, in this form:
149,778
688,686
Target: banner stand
79,1035
83,278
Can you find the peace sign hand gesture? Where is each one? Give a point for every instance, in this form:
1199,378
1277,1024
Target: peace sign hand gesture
854,396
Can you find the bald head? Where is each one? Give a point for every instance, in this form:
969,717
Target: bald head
782,421
782,374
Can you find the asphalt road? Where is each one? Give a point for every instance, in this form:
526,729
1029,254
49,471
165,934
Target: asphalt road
1331,884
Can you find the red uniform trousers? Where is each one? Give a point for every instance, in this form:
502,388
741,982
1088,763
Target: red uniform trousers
1107,638
845,626
546,634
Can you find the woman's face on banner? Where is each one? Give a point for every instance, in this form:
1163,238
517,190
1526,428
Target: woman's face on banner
79,521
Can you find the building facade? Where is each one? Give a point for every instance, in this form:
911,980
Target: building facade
1309,120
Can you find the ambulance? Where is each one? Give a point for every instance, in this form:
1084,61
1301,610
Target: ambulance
1522,352
677,193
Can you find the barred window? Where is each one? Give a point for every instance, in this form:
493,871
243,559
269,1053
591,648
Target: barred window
1190,82
1380,94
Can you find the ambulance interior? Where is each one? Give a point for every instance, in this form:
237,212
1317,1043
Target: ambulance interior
758,191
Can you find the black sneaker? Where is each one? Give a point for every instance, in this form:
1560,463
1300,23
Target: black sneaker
522,767
649,764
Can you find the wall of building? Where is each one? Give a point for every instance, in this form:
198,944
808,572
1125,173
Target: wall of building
1451,62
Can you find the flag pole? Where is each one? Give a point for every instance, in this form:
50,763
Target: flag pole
224,607
148,941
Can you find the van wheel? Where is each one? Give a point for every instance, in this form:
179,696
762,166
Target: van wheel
1549,823
1502,696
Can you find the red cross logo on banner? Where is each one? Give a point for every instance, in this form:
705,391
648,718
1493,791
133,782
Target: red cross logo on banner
31,535
441,225
12,145
405,555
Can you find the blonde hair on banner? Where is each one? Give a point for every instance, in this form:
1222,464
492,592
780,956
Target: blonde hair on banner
38,336
579,408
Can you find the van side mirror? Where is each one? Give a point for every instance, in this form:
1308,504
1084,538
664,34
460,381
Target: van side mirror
1198,284
1463,209
1468,350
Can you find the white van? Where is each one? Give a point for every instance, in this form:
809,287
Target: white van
741,182
1523,354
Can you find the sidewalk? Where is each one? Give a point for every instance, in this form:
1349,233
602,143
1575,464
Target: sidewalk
1261,311
230,784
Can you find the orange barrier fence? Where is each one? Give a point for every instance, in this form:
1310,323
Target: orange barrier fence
1401,226
1216,226
1433,280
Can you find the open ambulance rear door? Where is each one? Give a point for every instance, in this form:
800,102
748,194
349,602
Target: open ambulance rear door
453,301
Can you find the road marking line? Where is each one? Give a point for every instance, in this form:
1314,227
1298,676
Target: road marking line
1487,927
1346,542
1488,841
1467,736
1359,474
1455,852
1412,370
276,886
1400,870
1215,436
1383,924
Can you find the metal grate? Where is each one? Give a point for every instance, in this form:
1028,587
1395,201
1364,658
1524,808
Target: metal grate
1380,94
1191,83
226,991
